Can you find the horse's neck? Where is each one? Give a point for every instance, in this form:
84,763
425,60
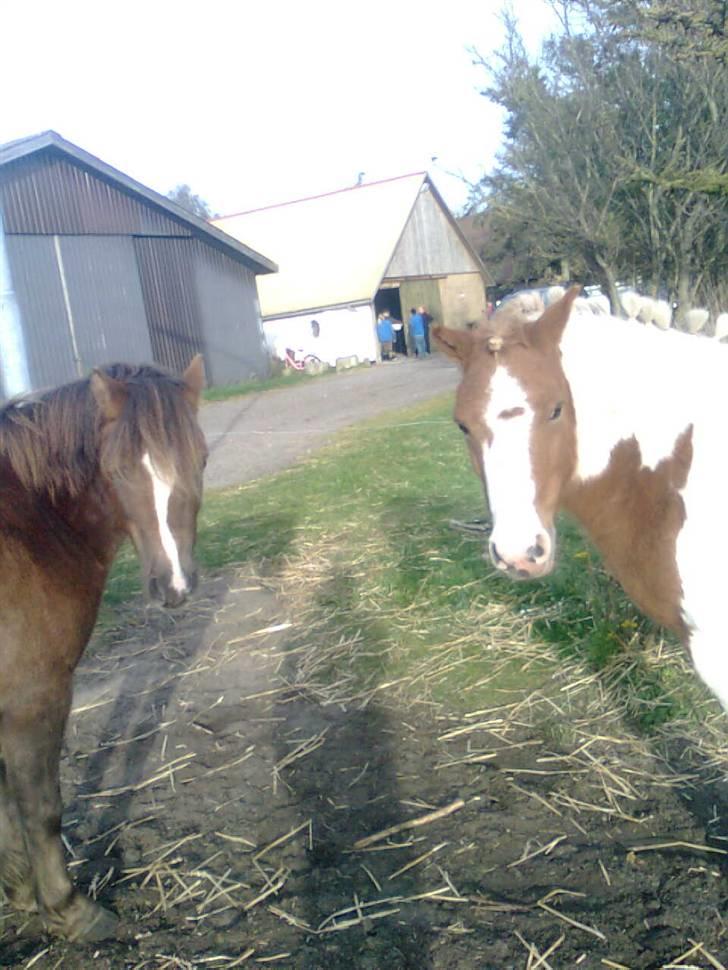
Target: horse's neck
632,382
95,517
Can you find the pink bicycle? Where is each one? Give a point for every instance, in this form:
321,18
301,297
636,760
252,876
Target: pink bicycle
309,363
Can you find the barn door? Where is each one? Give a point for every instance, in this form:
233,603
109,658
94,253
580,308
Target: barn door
426,292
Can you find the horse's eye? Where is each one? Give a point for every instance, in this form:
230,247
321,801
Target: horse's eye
556,413
462,427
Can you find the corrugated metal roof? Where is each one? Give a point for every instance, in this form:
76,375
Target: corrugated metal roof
51,141
331,249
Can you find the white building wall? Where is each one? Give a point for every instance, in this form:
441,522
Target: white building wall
343,332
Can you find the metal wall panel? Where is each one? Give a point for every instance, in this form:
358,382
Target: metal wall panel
37,284
166,270
105,298
235,348
49,195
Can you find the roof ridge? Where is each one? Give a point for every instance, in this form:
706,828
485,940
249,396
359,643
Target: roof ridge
320,195
15,151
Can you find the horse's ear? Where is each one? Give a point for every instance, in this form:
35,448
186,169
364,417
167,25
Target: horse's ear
453,343
110,395
547,330
194,378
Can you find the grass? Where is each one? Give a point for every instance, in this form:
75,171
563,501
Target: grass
360,539
286,379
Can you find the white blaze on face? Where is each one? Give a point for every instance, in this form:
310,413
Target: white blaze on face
162,491
508,468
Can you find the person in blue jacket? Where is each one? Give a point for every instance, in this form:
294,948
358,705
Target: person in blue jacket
417,332
385,333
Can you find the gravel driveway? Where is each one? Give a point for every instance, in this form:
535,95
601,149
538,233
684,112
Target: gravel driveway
262,433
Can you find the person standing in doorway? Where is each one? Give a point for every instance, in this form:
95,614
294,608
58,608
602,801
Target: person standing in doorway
417,332
427,318
385,333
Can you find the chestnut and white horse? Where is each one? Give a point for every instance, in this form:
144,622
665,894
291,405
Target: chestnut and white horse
625,428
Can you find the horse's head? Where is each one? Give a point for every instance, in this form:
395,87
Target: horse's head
515,409
153,455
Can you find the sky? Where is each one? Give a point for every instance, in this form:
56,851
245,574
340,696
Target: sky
254,103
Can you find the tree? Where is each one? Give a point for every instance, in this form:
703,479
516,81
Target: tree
615,151
559,174
184,197
692,29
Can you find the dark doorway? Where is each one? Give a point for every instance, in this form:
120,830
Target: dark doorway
388,299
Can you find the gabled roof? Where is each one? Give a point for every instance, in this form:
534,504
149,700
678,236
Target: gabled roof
50,140
332,249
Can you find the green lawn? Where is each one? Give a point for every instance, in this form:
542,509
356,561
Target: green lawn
360,538
286,379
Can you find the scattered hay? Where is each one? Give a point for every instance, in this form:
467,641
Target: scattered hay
567,731
410,824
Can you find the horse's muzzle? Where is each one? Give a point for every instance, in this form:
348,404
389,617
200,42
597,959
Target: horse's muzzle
160,589
537,561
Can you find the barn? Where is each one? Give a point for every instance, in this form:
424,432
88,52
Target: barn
95,267
347,255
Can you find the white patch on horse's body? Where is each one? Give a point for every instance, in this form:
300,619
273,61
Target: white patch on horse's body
628,382
162,491
508,471
700,554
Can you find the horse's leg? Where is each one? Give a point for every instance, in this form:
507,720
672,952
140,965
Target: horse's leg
31,737
16,877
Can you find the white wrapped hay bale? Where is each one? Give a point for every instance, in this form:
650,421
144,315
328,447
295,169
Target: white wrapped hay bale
631,303
661,314
696,319
646,312
599,304
524,307
721,326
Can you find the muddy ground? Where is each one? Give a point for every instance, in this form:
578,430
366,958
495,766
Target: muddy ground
214,803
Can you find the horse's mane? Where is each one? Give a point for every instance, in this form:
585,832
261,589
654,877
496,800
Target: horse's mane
51,439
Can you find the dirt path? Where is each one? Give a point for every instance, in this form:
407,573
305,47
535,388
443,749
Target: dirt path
260,434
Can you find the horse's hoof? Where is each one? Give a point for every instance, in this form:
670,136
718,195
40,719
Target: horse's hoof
83,921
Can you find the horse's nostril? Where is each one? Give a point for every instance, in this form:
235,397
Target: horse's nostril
536,552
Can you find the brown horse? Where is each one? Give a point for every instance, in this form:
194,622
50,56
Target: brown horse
81,467
624,427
